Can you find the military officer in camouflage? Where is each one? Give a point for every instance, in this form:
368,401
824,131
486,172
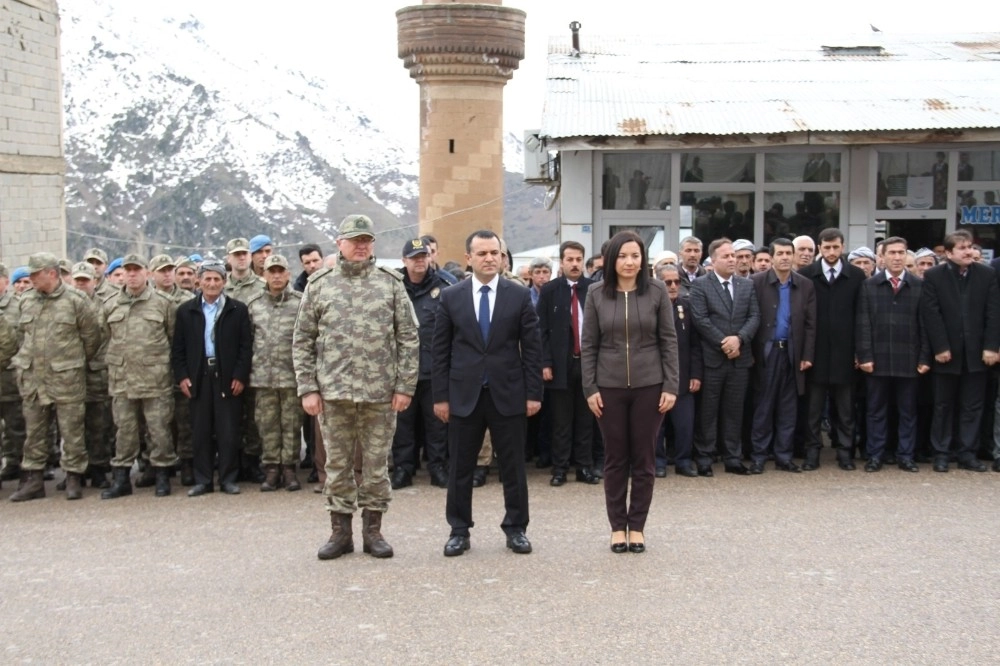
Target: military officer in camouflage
139,325
356,356
162,269
12,447
98,258
242,285
60,335
278,410
96,426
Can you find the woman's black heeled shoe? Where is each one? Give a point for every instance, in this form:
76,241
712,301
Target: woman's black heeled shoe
619,547
637,548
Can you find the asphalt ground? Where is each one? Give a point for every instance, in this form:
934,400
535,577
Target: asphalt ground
822,567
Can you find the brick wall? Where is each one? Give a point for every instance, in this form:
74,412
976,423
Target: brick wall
32,168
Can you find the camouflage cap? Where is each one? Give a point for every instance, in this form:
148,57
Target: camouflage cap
135,260
82,269
186,263
356,225
275,260
3,271
65,266
41,261
238,245
96,253
161,261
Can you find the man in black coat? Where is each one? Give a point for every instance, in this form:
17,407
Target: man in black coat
960,311
837,284
680,421
560,320
783,350
893,353
423,285
211,355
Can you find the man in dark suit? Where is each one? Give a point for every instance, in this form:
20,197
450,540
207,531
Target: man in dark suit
560,320
487,374
783,350
725,312
212,350
837,284
893,353
680,421
960,312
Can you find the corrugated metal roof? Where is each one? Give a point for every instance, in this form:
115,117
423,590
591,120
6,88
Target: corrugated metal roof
630,86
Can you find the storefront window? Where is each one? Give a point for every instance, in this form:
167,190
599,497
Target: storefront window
716,214
912,180
979,213
979,165
802,168
791,214
635,182
717,167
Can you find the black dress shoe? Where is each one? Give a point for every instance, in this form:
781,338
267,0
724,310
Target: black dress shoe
661,472
200,489
598,471
873,465
519,543
705,470
558,479
439,478
584,475
996,465
686,470
230,488
789,466
940,465
479,477
972,466
456,546
620,547
401,479
847,466
757,468
738,469
637,548
908,466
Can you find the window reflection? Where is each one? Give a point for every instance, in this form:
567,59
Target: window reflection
802,168
791,214
912,180
635,182
717,214
718,167
979,165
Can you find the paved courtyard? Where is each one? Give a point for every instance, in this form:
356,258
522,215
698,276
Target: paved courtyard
824,567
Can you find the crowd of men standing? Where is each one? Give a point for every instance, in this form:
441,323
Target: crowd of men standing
217,369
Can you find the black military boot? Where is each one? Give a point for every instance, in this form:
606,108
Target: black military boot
272,479
371,534
187,472
98,477
32,487
289,479
162,481
74,486
121,485
10,471
341,538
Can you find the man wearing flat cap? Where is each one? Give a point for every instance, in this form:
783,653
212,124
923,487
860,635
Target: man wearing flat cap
60,336
356,355
139,325
211,359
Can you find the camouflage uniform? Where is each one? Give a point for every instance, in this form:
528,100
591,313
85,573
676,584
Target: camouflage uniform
105,290
10,399
140,329
243,289
182,406
278,409
356,344
97,429
60,335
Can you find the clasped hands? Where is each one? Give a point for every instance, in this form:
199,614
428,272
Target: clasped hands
731,346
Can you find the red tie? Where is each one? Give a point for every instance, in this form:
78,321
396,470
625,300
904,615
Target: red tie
895,284
574,312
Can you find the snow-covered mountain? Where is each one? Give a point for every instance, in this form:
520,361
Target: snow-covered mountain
174,144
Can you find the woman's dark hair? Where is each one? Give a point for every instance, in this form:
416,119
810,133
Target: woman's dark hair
614,246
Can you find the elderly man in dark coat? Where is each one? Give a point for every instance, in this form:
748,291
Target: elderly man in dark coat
837,284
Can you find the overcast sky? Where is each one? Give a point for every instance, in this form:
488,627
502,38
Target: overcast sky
353,44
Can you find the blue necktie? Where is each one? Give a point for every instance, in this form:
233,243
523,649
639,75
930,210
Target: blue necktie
484,311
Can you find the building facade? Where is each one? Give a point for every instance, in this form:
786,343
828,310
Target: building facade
755,141
32,166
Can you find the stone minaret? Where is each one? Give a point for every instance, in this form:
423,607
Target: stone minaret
462,55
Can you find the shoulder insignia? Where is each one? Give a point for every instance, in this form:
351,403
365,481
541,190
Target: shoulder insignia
391,271
318,274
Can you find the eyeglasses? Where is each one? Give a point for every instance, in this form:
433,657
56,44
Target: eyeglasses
671,282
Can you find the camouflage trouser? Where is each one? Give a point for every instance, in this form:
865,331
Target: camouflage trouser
251,436
13,431
345,425
182,426
38,420
278,412
158,413
95,434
